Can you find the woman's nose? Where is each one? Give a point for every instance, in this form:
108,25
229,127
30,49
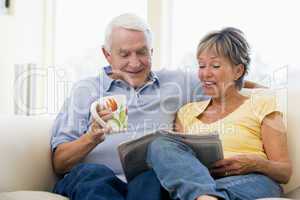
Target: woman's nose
205,72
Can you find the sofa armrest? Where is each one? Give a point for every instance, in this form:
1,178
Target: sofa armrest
25,153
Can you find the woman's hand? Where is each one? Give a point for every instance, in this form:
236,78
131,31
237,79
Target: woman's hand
237,165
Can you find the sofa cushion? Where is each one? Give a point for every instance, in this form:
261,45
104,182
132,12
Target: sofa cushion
294,194
30,195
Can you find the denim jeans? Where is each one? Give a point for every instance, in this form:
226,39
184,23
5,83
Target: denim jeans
185,178
98,182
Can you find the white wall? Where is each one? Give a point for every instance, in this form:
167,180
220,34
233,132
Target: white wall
21,39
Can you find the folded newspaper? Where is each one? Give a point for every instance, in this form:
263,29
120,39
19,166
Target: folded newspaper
207,147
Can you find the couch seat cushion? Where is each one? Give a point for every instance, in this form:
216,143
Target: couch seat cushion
30,195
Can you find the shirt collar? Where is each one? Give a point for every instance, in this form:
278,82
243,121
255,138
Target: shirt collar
154,78
108,82
201,106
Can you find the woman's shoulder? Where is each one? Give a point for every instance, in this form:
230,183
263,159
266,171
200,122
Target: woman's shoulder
263,99
259,97
193,108
264,103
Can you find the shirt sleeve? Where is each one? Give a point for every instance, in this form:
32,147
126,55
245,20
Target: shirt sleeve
73,119
265,104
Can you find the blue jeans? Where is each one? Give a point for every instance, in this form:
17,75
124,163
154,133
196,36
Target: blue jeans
185,178
98,182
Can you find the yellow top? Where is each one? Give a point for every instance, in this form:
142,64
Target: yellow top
239,131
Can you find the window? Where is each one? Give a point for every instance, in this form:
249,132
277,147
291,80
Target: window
270,27
79,31
77,37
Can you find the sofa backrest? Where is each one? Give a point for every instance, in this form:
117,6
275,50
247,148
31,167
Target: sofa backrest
25,162
293,131
25,159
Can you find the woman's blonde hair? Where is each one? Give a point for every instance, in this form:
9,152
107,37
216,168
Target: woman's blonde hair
231,44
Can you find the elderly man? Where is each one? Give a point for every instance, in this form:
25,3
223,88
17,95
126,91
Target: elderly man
89,163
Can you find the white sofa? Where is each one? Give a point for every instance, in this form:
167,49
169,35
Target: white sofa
26,172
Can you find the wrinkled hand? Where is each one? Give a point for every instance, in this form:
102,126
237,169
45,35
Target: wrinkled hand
236,165
96,131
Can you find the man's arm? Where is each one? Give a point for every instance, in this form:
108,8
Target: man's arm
251,85
71,153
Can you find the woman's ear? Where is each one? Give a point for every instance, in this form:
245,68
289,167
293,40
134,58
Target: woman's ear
239,71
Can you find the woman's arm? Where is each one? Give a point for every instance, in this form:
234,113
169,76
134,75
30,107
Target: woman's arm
178,126
274,140
277,166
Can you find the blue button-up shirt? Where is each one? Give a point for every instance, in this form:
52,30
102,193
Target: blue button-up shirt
150,107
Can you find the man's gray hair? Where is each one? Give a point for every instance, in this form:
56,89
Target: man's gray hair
128,21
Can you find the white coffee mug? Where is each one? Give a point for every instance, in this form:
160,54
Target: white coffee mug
117,105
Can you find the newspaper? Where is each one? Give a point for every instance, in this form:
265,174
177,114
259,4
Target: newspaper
207,147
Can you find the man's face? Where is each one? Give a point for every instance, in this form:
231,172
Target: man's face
130,56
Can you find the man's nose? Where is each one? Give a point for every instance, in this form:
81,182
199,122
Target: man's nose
134,61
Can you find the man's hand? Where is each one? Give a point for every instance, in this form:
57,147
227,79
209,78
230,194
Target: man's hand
96,131
236,165
252,85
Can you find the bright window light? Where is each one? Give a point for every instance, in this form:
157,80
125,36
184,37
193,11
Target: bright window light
79,31
271,28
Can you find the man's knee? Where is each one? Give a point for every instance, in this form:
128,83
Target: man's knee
148,176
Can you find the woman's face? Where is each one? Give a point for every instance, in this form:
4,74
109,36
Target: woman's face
217,74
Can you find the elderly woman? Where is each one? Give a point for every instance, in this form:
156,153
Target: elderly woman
251,130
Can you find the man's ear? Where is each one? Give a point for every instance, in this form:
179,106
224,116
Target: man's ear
151,51
107,55
239,71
